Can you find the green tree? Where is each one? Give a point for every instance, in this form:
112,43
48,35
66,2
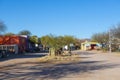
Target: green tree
44,41
39,40
56,42
9,34
69,39
77,43
25,32
34,39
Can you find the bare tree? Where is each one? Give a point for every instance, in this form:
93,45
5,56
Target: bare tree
2,27
115,37
115,31
102,38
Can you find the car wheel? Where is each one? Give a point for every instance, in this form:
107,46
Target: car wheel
1,55
7,55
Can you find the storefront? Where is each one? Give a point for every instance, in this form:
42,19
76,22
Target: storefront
90,45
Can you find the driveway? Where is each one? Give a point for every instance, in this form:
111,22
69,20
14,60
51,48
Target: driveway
92,66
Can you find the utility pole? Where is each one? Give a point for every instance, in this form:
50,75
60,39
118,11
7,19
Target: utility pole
110,41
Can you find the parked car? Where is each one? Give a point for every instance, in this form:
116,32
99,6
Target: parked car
4,53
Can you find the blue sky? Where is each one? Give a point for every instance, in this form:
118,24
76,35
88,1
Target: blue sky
80,18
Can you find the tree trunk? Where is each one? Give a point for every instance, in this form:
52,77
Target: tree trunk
52,52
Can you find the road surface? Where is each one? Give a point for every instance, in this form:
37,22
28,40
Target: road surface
92,66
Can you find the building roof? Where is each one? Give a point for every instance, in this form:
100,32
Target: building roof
89,42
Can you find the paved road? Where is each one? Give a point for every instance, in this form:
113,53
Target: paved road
92,66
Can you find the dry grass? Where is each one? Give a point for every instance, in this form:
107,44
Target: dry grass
60,59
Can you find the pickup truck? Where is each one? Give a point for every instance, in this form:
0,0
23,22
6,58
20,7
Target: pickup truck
4,53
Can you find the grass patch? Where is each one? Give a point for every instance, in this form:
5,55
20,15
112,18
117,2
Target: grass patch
62,59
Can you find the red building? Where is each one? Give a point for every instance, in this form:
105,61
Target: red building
15,43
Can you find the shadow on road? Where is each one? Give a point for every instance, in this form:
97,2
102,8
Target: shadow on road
40,54
46,71
26,55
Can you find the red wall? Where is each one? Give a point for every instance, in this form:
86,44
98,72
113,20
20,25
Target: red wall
11,40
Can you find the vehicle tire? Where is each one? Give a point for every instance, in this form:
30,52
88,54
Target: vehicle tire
5,55
1,55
